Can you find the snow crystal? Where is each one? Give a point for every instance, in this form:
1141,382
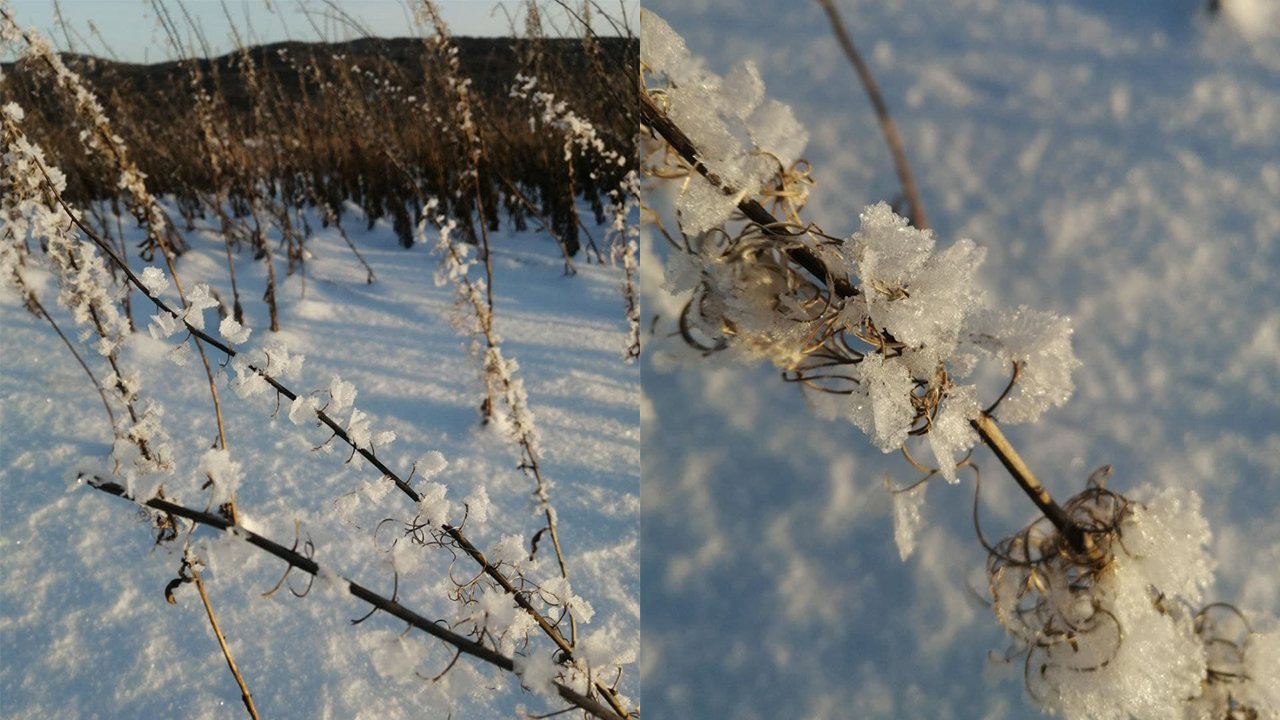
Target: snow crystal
498,610
1137,654
163,324
717,114
1165,540
537,672
559,589
919,297
881,405
154,280
342,395
433,507
907,518
1040,342
279,363
303,410
232,331
375,490
198,300
478,505
510,550
431,464
952,434
223,471
1262,665
345,505
179,355
358,429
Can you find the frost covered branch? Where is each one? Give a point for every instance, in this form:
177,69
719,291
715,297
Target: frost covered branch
391,607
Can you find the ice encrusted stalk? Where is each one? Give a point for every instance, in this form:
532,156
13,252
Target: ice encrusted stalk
884,328
473,318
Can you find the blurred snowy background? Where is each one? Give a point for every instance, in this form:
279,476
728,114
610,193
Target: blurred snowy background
1120,161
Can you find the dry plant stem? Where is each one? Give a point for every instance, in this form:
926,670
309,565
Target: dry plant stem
226,651
985,424
887,126
455,534
391,607
990,433
754,211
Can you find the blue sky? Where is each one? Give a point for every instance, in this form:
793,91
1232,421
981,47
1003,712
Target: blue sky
130,27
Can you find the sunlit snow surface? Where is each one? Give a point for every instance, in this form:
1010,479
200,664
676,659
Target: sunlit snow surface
84,624
1119,162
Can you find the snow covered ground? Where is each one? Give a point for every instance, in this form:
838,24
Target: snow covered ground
1120,162
84,624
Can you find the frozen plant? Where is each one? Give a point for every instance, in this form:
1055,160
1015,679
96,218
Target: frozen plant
1101,595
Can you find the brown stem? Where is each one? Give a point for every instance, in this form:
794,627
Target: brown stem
226,651
887,126
990,433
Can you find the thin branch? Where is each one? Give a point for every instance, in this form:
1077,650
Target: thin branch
887,126
226,651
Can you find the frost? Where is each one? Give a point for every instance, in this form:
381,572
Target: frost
233,332
154,280
478,505
345,505
537,672
431,464
303,410
198,300
376,490
342,395
559,589
1040,342
907,518
279,363
163,324
179,355
952,434
358,429
718,115
509,550
919,297
224,472
882,405
433,507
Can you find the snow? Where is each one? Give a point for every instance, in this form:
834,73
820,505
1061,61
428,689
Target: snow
83,619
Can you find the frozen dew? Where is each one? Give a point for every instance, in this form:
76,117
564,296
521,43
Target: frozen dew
952,433
224,472
232,331
342,395
433,507
882,404
1040,344
478,505
154,280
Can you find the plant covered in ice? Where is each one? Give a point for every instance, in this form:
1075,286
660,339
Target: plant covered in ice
883,321
1103,596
